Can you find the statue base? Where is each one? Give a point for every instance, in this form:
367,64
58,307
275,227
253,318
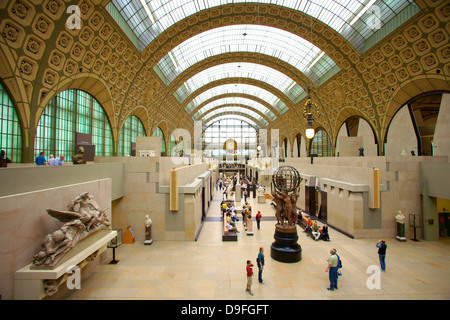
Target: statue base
285,248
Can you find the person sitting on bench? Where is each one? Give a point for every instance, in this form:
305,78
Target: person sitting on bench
231,228
308,226
315,231
325,236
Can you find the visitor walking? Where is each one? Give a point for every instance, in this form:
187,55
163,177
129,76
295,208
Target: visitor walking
332,270
381,245
260,263
249,277
258,219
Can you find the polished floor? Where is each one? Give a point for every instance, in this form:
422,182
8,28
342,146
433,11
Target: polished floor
211,269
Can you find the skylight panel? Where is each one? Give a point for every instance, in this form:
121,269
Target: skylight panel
341,15
235,101
237,117
234,88
266,40
255,71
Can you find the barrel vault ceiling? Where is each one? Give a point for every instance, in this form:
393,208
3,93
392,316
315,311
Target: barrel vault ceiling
174,62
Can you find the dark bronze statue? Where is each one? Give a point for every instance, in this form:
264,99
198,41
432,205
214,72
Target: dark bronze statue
79,157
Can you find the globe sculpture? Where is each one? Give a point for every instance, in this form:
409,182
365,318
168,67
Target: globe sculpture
286,185
286,178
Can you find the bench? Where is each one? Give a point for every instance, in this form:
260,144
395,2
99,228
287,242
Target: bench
303,223
32,284
226,234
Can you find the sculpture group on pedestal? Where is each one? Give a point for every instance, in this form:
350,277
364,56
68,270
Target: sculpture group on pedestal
78,224
286,181
286,207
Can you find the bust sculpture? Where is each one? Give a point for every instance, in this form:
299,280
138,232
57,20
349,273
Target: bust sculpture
400,217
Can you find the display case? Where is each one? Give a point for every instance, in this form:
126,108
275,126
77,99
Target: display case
114,243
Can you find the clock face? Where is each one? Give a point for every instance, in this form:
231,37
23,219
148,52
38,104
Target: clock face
230,145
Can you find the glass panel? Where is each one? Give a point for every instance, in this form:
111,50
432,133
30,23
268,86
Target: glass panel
131,129
321,144
235,101
239,70
10,129
238,88
232,111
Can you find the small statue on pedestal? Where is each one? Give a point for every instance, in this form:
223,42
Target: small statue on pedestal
148,230
400,219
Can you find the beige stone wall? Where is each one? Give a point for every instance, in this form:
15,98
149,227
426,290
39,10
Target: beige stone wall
401,135
400,190
146,192
24,223
441,138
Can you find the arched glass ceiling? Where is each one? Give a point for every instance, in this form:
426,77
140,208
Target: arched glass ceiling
232,111
235,100
350,18
255,71
236,117
238,88
290,48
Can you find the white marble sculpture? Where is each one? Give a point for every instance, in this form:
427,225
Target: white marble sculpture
260,190
78,224
400,217
148,230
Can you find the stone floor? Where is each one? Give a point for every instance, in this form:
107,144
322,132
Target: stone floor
211,269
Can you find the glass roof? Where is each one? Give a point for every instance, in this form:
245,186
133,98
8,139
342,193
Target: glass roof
350,18
238,88
235,117
255,71
252,104
233,110
290,48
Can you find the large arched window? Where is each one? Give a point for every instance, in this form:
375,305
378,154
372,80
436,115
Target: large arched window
10,130
131,129
73,111
321,144
221,131
159,133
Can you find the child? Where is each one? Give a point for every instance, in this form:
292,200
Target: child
249,277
